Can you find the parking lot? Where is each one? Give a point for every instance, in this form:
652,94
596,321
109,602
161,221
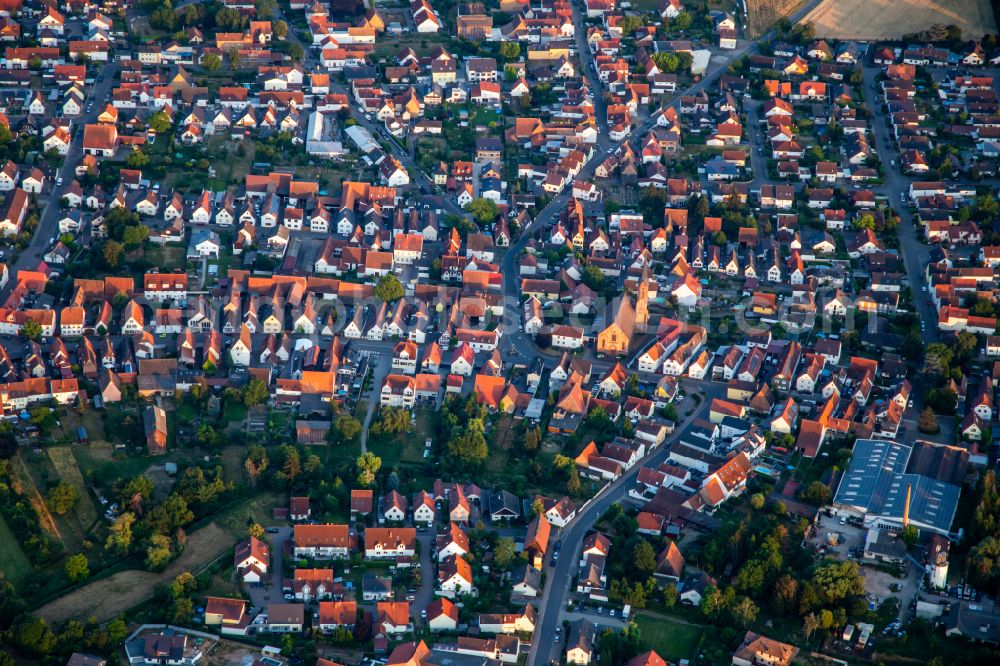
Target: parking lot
879,584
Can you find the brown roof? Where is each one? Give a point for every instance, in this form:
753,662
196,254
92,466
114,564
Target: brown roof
231,610
338,612
322,535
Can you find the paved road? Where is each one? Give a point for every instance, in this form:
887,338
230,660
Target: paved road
28,259
559,578
896,184
382,367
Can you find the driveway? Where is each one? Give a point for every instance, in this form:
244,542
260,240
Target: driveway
271,592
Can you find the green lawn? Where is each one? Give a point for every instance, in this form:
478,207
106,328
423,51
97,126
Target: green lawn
672,640
14,562
167,257
235,519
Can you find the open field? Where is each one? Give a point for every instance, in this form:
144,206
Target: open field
887,19
762,14
65,465
14,564
109,596
672,640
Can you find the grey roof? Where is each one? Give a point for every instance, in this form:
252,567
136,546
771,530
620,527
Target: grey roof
504,501
877,482
977,621
872,459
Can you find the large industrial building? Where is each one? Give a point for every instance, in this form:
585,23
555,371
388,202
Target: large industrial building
889,484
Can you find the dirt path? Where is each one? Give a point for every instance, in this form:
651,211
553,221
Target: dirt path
48,524
108,597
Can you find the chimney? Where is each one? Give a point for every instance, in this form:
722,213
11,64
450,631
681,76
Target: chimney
906,507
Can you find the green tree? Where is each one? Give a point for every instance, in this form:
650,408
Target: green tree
757,501
629,24
942,400
389,289
866,221
255,530
280,29
928,422
77,568
910,535
468,447
183,611
347,427
483,211
159,552
137,159
785,591
504,552
368,464
573,485
510,50
816,493
112,252
34,636
643,559
119,539
160,122
666,61
593,277
532,438
211,62
208,436
683,21
62,498
31,329
134,236
744,612
256,393
836,581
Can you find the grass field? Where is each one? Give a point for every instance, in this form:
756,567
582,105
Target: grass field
887,19
235,519
69,472
166,257
107,597
31,491
672,640
14,563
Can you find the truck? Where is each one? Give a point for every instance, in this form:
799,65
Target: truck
848,633
626,611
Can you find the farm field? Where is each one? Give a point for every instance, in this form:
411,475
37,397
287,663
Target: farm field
107,597
762,14
887,19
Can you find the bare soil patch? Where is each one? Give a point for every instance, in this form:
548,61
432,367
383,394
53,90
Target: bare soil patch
890,19
109,596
